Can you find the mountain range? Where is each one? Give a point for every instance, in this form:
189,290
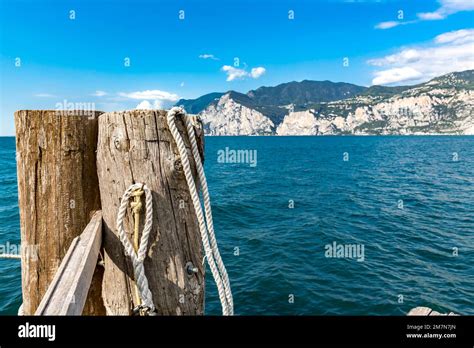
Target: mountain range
443,105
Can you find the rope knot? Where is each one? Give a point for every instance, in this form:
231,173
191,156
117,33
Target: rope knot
137,205
137,251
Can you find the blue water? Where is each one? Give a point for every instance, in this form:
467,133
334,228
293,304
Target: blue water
10,270
408,250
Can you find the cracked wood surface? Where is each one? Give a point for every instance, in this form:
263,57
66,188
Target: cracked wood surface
57,192
137,146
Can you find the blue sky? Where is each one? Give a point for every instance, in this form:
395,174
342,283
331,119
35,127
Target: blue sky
49,54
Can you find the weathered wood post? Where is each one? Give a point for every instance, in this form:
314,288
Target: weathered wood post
137,146
58,190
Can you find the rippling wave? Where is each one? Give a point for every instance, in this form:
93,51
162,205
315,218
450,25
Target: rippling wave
408,249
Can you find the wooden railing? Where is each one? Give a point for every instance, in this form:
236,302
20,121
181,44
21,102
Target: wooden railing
67,293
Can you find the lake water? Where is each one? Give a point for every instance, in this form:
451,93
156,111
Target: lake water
401,209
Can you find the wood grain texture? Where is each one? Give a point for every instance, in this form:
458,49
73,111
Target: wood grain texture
57,190
420,311
424,311
137,146
68,291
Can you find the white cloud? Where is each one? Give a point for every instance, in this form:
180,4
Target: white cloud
154,94
456,36
395,75
392,24
430,16
146,105
448,7
387,25
99,93
405,56
239,74
257,72
451,51
44,95
234,73
208,56
151,99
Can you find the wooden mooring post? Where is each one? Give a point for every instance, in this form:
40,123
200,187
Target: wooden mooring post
70,165
137,147
57,192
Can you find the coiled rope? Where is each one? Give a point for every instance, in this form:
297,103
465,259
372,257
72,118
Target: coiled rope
145,302
208,237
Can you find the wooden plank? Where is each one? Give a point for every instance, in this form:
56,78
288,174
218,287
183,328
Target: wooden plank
68,291
420,311
427,311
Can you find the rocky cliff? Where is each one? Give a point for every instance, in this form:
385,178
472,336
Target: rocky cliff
443,105
228,117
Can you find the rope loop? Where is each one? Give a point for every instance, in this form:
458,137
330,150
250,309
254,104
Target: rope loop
138,256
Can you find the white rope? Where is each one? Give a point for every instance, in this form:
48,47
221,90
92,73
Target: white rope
208,237
138,258
10,256
208,211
